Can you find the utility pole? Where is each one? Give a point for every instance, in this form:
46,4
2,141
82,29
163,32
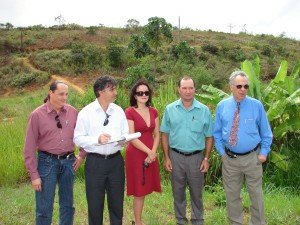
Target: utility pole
230,27
179,31
244,29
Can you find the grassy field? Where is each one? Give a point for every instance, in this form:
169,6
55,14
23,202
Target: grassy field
17,206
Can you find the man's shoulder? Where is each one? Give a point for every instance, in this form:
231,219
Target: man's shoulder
225,101
173,104
253,100
116,107
70,107
39,109
88,107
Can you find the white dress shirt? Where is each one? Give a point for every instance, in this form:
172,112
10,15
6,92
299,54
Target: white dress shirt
89,127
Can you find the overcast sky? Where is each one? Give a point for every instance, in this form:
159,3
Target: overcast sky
258,16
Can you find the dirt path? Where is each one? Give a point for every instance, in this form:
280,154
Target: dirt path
54,77
69,83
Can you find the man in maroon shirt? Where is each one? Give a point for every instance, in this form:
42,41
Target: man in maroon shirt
50,132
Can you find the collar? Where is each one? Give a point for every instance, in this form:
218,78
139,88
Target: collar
241,102
98,107
50,108
195,104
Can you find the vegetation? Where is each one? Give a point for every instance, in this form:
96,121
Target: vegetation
30,56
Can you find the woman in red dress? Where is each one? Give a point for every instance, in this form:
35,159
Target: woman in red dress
142,169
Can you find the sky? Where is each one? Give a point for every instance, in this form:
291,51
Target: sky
256,16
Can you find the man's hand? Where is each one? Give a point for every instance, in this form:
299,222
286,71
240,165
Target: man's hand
168,165
103,138
204,166
37,184
77,163
262,158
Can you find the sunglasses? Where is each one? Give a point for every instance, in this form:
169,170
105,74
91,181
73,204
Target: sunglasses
58,123
246,86
106,121
142,93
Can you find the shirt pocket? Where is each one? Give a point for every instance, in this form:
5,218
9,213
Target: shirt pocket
250,126
197,126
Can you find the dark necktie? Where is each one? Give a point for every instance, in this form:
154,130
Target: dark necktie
233,138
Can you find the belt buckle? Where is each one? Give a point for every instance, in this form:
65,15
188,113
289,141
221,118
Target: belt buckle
231,155
106,156
68,156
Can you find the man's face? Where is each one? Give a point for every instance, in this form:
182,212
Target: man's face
109,94
187,90
238,89
58,98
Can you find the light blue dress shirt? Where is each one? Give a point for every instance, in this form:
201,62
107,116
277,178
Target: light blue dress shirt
187,128
254,127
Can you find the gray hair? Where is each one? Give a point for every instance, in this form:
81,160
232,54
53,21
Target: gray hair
235,74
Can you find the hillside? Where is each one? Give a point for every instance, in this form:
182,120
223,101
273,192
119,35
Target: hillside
30,57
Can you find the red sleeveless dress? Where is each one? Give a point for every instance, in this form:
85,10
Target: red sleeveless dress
141,181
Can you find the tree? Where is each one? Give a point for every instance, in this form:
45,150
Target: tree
8,26
139,46
60,19
156,31
132,24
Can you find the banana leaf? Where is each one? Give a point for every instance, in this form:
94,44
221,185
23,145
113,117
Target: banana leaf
279,160
254,83
289,125
282,72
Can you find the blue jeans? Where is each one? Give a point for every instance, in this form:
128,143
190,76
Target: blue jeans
52,171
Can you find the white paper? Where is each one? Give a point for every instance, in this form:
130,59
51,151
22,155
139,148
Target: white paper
125,138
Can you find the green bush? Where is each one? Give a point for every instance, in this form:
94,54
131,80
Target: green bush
184,52
23,79
114,55
135,73
212,49
53,61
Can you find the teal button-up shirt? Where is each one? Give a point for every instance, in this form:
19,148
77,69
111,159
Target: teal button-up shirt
187,128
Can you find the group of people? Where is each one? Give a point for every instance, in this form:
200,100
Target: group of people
241,133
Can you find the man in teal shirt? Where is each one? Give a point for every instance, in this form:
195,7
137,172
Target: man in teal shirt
186,132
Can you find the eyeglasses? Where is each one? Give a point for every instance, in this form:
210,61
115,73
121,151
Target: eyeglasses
246,86
106,121
142,93
58,123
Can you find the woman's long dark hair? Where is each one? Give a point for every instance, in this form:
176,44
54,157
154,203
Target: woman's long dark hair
133,101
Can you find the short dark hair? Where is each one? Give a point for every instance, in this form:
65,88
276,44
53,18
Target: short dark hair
53,87
133,101
103,82
185,78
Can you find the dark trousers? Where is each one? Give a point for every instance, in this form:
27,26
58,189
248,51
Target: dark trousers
104,176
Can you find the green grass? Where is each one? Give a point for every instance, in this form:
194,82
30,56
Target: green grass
282,206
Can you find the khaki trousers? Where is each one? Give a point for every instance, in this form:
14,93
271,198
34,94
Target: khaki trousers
186,173
234,172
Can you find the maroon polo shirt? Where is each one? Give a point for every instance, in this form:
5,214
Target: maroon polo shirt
43,134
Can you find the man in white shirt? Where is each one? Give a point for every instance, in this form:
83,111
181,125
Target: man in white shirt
99,125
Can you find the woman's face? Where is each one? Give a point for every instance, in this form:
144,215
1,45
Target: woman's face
142,94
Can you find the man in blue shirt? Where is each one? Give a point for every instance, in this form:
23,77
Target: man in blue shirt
243,138
186,131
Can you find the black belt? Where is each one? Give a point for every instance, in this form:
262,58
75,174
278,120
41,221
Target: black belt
232,154
63,156
186,153
105,156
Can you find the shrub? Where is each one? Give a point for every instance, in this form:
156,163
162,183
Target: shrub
184,52
114,53
267,50
139,45
23,79
212,49
135,73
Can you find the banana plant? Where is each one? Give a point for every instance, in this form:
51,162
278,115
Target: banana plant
281,99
